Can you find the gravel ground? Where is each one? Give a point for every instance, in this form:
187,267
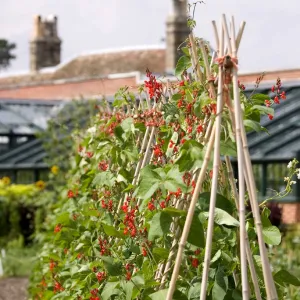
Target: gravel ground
13,288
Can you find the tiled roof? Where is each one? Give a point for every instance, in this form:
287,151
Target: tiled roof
113,63
95,66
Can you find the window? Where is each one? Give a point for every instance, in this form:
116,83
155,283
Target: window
25,176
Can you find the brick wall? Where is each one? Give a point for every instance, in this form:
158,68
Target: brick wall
285,75
105,86
290,213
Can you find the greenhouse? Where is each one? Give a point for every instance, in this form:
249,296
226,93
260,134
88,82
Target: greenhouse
21,152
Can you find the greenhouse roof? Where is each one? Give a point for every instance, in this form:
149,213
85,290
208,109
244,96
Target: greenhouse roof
283,140
25,116
29,155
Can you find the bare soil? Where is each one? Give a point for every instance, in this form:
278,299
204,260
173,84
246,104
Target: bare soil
14,288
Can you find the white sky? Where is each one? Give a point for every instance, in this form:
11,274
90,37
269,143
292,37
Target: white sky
270,40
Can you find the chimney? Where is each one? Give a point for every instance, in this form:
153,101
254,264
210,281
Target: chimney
37,27
45,45
177,32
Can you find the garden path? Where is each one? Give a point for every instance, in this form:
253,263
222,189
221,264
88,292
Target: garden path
14,288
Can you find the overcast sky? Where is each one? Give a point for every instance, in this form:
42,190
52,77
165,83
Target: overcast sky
270,40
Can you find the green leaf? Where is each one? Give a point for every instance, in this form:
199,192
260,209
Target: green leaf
128,289
160,225
191,156
253,125
265,217
119,133
186,51
174,180
149,173
221,202
138,281
79,246
124,176
285,278
104,178
107,218
183,64
110,290
259,98
63,219
160,295
216,256
189,96
228,148
176,97
196,234
220,285
174,212
203,100
223,218
170,109
127,124
263,109
184,161
271,235
111,231
194,291
119,102
237,295
161,253
112,267
140,126
234,295
147,270
150,181
147,189
194,147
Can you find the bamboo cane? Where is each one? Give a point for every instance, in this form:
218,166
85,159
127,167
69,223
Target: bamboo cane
240,34
233,187
216,34
214,186
241,207
189,217
269,282
191,211
267,273
195,59
207,67
248,250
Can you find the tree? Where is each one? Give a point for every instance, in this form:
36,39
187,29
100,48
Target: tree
5,53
